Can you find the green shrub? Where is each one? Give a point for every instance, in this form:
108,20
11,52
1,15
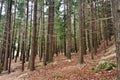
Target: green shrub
104,65
1,70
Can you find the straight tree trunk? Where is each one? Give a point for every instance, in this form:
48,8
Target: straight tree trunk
49,49
26,28
14,31
12,38
81,52
93,27
75,37
7,34
84,30
29,44
117,34
64,29
24,34
69,38
42,45
23,50
34,39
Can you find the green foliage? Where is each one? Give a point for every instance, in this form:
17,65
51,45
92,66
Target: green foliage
58,76
105,66
20,9
1,70
53,62
40,64
59,27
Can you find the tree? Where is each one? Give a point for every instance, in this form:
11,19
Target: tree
42,45
69,34
53,29
34,39
6,36
93,33
64,29
75,35
29,44
24,34
116,3
81,60
26,29
49,44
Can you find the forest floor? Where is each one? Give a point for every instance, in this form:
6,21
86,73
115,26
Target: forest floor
63,69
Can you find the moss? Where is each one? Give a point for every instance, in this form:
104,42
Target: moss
58,76
40,64
105,65
93,69
53,62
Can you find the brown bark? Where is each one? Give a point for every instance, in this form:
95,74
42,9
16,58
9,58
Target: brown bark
93,27
49,49
6,35
69,38
64,29
116,4
34,39
26,28
81,53
42,45
75,37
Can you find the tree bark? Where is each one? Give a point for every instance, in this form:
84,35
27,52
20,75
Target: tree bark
81,52
49,49
6,35
69,38
34,39
117,34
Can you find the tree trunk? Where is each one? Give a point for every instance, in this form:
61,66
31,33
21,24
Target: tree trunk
75,37
81,23
34,39
7,35
64,29
42,45
69,38
49,49
93,27
26,28
116,3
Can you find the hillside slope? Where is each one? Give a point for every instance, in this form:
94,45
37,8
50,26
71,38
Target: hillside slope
63,69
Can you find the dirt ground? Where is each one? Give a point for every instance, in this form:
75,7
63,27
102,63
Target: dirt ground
63,69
